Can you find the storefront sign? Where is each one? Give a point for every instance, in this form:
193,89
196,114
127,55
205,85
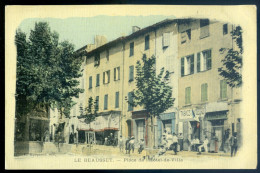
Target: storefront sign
191,114
216,115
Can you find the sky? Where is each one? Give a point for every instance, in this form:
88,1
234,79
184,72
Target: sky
81,31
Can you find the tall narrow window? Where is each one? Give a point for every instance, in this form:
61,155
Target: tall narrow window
97,79
166,40
90,82
131,49
116,73
185,36
204,28
117,100
131,73
146,45
187,65
107,55
130,99
223,89
188,95
97,60
204,92
106,77
105,102
204,60
225,29
97,102
182,66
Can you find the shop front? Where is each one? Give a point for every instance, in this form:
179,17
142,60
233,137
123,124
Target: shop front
165,122
190,126
104,130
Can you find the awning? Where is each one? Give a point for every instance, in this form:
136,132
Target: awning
216,115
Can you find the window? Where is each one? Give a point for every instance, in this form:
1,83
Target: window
204,60
187,95
166,40
105,101
185,36
116,73
131,49
106,77
131,73
146,45
223,89
225,29
97,80
97,102
107,55
187,65
204,28
90,82
130,99
117,100
204,92
97,60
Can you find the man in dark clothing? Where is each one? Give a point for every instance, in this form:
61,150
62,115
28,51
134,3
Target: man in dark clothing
233,144
127,146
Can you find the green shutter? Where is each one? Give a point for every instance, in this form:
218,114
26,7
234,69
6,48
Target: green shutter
97,80
130,99
97,102
191,64
204,92
118,73
90,82
105,102
198,62
187,95
182,66
117,100
208,60
104,77
131,73
223,89
114,74
108,74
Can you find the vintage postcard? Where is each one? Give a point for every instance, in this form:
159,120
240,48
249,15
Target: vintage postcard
130,87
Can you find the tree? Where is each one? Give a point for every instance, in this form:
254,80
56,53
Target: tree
89,112
47,71
232,62
153,91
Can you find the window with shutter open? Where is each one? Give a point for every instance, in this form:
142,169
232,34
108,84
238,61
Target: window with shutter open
166,40
204,92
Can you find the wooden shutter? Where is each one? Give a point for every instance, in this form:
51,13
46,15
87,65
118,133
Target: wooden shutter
108,74
223,89
118,72
114,74
97,102
131,73
147,39
104,75
198,62
208,53
182,66
130,99
187,95
117,100
204,90
105,102
166,40
191,64
90,82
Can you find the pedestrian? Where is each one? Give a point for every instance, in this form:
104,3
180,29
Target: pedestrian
127,146
204,145
132,144
121,143
233,144
141,146
175,143
162,147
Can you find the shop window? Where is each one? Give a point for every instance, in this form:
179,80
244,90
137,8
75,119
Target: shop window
166,40
90,82
225,29
97,80
188,95
106,77
97,60
131,49
146,44
204,92
105,102
185,36
204,60
204,28
117,100
130,99
131,73
116,73
97,103
187,65
223,89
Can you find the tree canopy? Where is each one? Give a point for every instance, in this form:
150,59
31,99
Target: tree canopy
232,62
47,70
153,91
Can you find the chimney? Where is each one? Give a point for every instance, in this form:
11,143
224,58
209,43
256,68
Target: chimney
135,28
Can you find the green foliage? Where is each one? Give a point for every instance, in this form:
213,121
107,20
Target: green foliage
47,70
89,112
232,62
153,91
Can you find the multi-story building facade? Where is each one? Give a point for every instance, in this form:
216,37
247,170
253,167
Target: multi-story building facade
189,50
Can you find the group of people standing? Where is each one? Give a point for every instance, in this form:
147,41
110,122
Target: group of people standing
169,142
